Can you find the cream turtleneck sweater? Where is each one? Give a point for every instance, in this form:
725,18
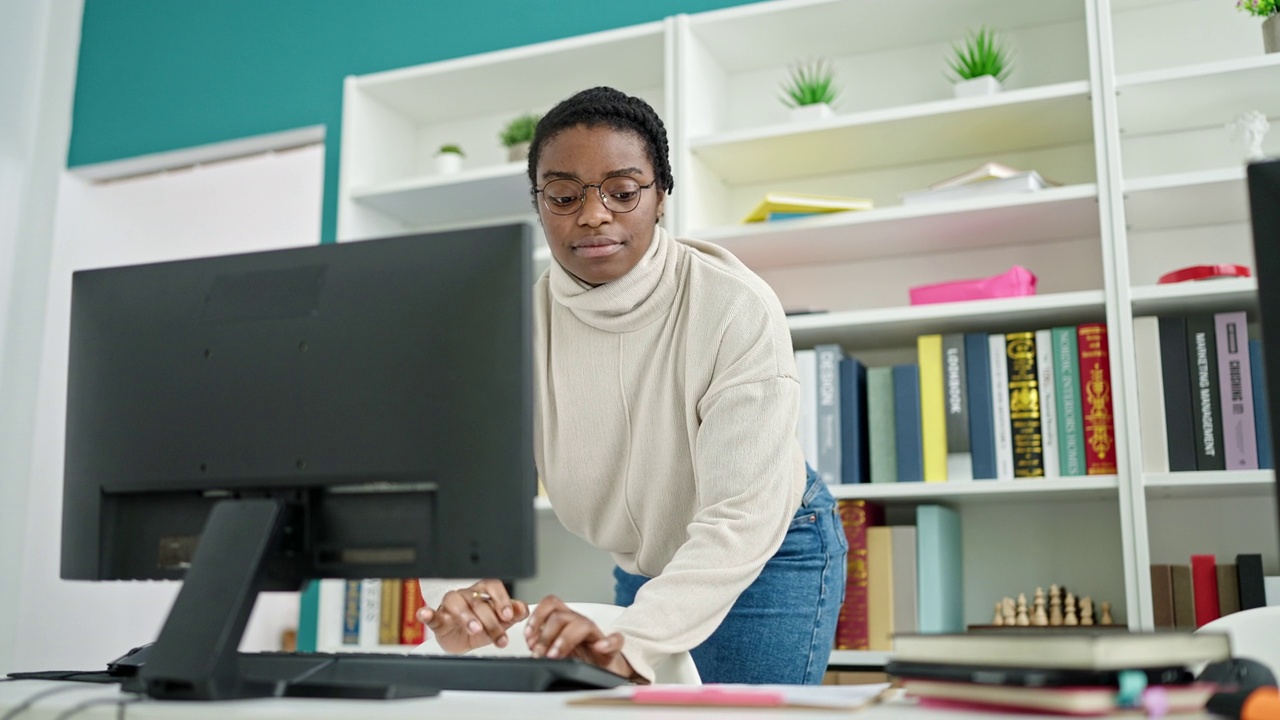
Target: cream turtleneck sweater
665,433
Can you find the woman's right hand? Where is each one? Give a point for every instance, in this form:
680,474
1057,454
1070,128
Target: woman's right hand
473,617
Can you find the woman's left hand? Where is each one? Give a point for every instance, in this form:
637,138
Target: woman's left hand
556,631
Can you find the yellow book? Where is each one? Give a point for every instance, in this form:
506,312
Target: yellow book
789,202
933,408
880,588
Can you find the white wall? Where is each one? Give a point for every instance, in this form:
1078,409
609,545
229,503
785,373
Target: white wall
39,43
261,202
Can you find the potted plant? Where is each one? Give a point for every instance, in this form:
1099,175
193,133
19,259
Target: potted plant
1270,10
449,159
810,90
517,134
981,65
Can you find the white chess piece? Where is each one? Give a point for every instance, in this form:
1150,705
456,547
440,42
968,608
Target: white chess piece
1106,614
1070,616
1038,616
1009,616
1086,610
1023,620
1055,606
1249,128
998,620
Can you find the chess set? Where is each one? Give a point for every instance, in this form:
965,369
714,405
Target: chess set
1054,610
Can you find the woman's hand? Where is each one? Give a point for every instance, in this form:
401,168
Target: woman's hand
474,616
555,631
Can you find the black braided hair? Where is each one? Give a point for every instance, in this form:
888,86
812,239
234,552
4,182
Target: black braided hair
605,106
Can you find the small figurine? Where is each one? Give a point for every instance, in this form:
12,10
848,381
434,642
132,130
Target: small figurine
1249,128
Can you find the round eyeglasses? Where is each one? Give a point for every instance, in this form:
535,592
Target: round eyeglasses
565,197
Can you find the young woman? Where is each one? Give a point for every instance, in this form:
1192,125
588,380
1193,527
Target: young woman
665,431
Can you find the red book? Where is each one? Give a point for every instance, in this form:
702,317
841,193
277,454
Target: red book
1095,391
851,626
1204,583
411,631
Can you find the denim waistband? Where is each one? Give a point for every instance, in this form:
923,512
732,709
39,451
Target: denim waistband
813,485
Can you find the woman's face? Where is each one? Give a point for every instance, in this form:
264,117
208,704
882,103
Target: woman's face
594,243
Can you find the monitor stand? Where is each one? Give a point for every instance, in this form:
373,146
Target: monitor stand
243,550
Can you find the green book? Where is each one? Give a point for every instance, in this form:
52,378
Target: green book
880,424
1066,370
308,616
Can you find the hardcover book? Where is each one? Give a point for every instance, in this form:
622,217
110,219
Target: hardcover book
933,408
1184,597
855,447
851,625
807,429
906,417
1066,649
1048,390
411,630
828,412
1078,701
1000,405
1066,371
982,437
1095,383
1179,414
351,612
956,399
1228,589
881,425
1261,413
1023,182
1235,386
1204,587
880,620
390,619
905,589
1024,405
1202,363
1253,592
1146,351
791,202
1162,596
939,558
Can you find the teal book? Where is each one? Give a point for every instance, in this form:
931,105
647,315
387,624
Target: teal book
308,616
939,559
1066,371
881,437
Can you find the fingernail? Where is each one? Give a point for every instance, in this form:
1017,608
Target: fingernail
601,645
501,641
528,631
507,614
474,626
555,650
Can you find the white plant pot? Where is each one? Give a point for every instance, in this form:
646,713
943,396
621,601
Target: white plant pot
977,87
448,163
1271,34
518,152
805,113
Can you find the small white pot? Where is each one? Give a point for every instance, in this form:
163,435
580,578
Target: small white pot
806,113
981,85
518,152
448,163
1271,34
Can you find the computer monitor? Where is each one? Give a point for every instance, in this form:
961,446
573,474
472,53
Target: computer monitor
1264,209
252,421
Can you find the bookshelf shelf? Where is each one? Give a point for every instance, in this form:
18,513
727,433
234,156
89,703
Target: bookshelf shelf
1093,487
1181,200
1045,216
435,200
1205,295
1206,485
891,327
1205,95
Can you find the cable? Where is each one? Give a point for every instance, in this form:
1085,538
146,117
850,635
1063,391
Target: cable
48,692
119,703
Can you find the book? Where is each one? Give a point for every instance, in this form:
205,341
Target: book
939,558
1064,649
906,606
1250,580
351,612
1204,587
1095,384
1184,597
856,516
1048,391
1024,405
982,173
881,425
996,350
1081,700
982,437
827,412
1162,596
1179,415
956,396
807,429
791,202
731,695
308,616
411,630
1146,351
370,611
1228,589
855,448
906,420
1261,412
1066,372
880,603
1034,677
933,408
390,619
1023,182
1202,364
1235,386
777,216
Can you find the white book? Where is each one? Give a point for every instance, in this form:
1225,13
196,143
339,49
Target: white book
370,611
1048,404
828,412
1025,182
329,609
1000,405
1146,356
807,432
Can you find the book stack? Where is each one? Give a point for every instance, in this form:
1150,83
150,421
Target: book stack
1072,673
1189,595
985,180
776,206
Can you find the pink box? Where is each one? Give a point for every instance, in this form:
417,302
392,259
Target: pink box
1017,282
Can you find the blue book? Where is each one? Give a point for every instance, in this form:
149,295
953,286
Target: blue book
939,582
308,616
982,424
855,445
1261,416
827,409
906,418
351,612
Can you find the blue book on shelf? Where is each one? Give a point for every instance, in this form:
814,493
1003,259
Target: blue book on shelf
982,425
906,418
1261,416
940,587
855,447
771,217
308,616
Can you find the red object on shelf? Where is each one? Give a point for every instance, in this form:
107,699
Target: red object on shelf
1204,272
1204,583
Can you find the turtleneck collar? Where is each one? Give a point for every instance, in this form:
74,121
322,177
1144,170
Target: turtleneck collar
632,301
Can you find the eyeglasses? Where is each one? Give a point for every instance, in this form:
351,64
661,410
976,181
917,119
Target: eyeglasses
619,194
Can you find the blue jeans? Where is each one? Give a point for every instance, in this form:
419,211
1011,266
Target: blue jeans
783,626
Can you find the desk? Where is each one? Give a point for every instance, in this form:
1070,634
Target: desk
448,706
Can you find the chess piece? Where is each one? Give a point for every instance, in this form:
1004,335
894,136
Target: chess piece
1106,614
1086,610
1055,606
1009,618
1039,618
1069,617
1023,620
998,620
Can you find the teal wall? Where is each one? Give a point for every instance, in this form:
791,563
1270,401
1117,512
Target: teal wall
159,75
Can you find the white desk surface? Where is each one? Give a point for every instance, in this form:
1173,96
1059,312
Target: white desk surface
447,706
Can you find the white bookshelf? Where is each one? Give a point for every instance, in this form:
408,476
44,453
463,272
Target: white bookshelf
1122,103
